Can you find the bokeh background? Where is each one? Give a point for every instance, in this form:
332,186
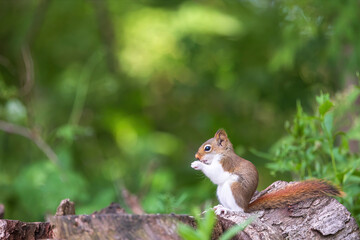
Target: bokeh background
98,96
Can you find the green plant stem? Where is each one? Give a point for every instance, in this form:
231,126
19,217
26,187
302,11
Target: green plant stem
82,89
333,160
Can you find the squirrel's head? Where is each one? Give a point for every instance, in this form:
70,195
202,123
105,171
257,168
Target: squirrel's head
214,147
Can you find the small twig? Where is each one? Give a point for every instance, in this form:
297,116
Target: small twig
29,70
28,83
132,201
2,211
28,79
15,129
33,136
82,89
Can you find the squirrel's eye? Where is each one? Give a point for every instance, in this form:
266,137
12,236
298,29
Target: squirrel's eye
207,148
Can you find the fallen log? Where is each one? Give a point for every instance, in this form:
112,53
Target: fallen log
119,226
320,218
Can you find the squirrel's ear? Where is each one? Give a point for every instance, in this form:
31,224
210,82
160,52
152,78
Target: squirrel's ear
221,137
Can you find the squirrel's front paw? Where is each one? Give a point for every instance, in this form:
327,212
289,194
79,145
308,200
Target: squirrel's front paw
197,165
221,210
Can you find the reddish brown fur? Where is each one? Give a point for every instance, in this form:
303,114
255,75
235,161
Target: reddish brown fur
247,182
294,193
245,187
241,199
248,178
219,144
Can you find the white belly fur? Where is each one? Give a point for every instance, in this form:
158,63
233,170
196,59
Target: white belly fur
215,172
225,196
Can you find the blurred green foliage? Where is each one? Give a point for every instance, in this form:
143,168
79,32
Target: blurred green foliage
205,226
325,145
121,93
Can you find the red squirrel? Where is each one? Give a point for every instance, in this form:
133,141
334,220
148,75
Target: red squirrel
237,180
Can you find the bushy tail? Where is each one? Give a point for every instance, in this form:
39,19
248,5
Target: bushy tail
294,193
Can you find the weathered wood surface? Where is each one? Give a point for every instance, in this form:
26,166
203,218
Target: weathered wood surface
119,226
14,230
66,207
321,218
113,222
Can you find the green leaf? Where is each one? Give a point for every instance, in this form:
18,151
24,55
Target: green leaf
186,232
347,175
325,107
354,178
204,229
207,224
328,123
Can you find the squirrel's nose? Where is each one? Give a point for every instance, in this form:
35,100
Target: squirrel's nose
197,156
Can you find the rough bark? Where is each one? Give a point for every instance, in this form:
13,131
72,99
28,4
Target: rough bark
66,207
13,229
320,218
119,226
